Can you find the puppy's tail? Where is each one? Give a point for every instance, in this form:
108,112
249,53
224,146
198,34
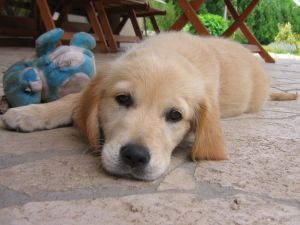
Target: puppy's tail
283,96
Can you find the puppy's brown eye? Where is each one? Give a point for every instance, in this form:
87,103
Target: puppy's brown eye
124,100
173,116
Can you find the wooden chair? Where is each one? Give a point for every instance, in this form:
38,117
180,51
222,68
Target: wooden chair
102,6
128,9
140,13
42,20
190,9
89,8
97,13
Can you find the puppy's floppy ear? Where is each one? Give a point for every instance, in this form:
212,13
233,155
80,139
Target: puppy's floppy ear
86,113
208,143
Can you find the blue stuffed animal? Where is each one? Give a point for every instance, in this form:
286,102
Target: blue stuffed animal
54,73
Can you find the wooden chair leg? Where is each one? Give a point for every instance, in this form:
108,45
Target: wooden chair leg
121,25
135,23
106,25
241,18
37,20
193,17
250,37
252,40
183,19
63,15
96,26
154,24
45,14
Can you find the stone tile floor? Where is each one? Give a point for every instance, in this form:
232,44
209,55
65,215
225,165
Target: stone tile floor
49,177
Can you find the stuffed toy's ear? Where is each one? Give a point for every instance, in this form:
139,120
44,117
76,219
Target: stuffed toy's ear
83,40
208,143
47,42
86,114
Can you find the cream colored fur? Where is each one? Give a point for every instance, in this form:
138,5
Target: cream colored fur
203,78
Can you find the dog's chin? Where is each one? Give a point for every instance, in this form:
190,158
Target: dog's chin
135,173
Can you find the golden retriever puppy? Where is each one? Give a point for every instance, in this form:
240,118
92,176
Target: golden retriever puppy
148,100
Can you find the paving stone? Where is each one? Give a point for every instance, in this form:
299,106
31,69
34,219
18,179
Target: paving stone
263,158
284,106
284,81
64,139
75,170
289,87
164,208
265,114
283,73
178,179
62,173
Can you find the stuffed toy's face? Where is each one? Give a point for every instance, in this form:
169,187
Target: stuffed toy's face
24,88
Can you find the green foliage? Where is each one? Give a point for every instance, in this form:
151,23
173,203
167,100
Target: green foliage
285,33
285,40
264,20
214,7
165,22
215,24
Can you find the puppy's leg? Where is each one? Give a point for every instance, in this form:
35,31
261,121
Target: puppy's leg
41,116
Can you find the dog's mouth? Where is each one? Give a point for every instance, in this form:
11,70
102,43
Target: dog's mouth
122,170
136,173
102,138
125,171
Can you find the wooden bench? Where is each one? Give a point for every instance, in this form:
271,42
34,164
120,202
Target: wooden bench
127,9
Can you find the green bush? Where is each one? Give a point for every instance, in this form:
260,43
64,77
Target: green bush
285,40
215,24
285,33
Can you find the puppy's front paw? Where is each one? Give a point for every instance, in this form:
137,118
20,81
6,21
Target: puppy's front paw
22,119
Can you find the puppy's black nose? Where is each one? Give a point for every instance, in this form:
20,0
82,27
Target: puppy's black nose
135,155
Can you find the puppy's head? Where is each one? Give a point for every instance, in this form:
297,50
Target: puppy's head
146,103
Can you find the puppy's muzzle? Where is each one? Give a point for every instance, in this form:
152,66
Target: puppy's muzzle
135,155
